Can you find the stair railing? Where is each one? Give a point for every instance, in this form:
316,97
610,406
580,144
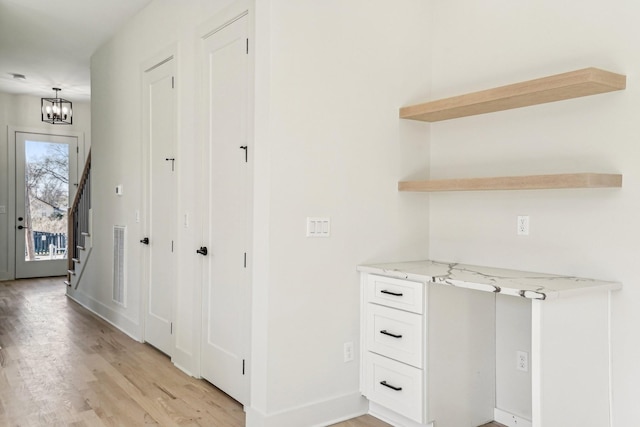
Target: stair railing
78,219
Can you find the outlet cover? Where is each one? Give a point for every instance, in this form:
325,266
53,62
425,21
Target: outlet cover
348,351
522,361
523,225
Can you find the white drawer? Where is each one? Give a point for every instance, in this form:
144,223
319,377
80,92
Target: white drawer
395,333
395,386
396,293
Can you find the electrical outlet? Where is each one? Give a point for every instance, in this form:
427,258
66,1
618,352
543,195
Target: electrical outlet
523,225
348,351
522,361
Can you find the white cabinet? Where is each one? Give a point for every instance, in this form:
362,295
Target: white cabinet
420,352
393,333
428,339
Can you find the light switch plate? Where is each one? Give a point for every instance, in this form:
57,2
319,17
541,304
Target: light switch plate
318,227
3,209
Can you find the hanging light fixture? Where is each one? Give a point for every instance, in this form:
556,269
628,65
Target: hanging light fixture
57,111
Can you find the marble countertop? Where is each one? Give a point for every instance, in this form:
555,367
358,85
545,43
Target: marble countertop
509,282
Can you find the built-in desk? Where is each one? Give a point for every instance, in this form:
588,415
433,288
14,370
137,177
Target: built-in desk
428,341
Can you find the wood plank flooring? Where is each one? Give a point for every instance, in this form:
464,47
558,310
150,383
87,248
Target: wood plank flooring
62,366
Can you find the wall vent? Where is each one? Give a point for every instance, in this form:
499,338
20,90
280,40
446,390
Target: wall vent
118,264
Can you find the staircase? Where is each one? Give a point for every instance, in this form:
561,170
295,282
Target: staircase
79,228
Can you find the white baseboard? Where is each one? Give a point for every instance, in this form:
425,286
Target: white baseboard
510,420
393,418
315,414
124,324
183,369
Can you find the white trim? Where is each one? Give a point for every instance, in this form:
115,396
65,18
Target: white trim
11,182
162,56
510,420
127,326
315,414
393,418
182,368
223,18
536,364
610,355
11,203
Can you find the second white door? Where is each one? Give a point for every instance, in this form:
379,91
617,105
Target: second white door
226,295
162,212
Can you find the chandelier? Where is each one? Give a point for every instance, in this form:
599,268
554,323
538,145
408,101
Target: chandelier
57,111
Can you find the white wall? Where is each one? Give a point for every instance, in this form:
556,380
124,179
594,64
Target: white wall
338,72
592,233
23,112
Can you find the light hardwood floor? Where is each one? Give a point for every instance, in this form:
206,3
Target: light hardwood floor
62,366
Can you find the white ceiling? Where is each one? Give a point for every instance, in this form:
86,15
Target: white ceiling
51,42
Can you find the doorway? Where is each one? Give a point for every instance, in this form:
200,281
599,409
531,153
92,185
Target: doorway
227,221
45,185
161,214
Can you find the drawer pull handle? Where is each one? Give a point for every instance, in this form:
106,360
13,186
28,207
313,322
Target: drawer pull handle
385,332
392,387
395,294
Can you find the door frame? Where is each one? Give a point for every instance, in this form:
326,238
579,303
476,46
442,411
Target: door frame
169,53
11,160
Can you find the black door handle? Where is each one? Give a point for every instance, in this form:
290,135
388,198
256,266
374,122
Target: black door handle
20,227
145,241
202,250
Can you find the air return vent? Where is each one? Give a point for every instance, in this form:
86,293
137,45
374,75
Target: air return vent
118,264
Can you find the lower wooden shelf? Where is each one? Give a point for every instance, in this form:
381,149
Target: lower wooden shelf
530,182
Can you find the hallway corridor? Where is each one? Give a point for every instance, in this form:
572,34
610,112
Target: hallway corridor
62,366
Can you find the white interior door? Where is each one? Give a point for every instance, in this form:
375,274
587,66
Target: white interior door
162,205
226,294
46,179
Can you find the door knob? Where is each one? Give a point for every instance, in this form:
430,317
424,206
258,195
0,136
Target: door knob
202,250
20,227
145,241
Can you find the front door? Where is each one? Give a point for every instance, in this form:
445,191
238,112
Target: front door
46,179
226,295
160,116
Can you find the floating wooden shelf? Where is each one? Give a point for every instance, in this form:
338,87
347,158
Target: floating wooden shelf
531,182
574,84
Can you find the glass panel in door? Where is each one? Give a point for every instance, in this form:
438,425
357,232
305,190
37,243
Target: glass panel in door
45,167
